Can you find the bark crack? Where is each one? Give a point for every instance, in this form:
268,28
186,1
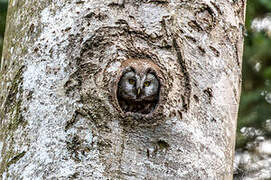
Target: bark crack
181,61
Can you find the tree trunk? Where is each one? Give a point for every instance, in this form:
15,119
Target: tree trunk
61,117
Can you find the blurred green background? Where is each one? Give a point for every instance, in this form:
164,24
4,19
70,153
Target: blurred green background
255,106
3,12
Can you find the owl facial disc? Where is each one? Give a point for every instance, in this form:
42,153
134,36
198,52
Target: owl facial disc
138,90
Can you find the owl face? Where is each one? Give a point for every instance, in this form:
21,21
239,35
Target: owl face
138,86
138,91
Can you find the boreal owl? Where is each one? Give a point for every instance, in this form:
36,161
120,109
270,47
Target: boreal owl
138,88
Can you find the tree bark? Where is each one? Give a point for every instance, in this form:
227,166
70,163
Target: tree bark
60,116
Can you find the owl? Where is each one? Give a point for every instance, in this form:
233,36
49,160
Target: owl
138,88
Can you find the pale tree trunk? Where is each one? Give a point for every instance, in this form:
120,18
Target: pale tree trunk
60,115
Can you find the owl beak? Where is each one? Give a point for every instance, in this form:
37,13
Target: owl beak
138,91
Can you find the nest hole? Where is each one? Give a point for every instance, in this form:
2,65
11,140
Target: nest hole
141,107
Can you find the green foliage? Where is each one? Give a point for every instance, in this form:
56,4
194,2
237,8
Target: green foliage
3,12
254,108
266,3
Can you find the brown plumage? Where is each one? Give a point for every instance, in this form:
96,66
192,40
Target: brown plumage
138,87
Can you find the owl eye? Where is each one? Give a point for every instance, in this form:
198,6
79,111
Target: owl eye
131,81
147,83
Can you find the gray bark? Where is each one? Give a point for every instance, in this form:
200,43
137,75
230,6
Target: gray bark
60,118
